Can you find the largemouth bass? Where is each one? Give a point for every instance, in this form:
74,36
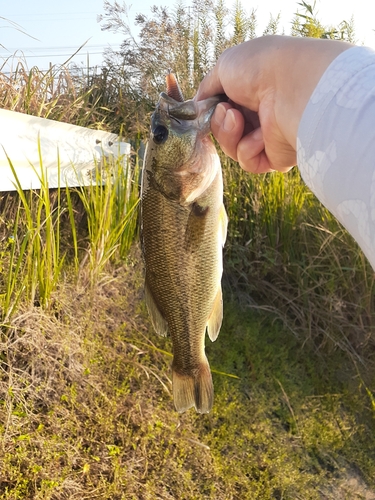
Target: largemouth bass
183,230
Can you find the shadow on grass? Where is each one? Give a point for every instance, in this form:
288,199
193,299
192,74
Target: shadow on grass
297,424
86,409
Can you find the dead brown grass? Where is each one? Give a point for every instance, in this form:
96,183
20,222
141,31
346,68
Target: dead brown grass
59,93
87,412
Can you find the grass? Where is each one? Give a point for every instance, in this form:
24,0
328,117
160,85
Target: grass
289,255
85,390
111,212
87,411
60,93
303,416
34,262
39,261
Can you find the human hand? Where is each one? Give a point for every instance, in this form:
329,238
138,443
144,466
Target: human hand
269,81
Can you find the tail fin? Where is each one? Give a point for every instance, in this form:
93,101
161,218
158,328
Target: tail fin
193,389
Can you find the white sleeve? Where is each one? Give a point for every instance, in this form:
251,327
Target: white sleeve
336,144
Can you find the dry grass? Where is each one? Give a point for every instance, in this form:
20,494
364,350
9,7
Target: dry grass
87,412
58,94
85,393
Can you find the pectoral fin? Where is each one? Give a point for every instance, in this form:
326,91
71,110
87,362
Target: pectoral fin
157,320
216,317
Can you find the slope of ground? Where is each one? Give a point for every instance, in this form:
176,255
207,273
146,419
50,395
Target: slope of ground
86,410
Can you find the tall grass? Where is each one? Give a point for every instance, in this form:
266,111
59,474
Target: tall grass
37,247
60,93
110,204
45,229
34,271
288,254
13,283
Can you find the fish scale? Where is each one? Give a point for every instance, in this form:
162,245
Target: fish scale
183,229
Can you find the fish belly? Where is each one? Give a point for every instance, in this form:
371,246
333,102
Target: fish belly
182,247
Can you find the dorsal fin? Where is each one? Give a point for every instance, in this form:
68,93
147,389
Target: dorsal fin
173,88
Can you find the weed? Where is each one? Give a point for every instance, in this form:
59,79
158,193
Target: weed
85,392
110,203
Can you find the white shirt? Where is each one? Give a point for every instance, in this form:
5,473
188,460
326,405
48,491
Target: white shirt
336,144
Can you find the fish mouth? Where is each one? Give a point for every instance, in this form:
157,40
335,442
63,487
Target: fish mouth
205,110
185,110
172,103
188,111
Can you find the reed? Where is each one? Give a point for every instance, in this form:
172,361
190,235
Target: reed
36,251
34,270
288,254
60,93
110,204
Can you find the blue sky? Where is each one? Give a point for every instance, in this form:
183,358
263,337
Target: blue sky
61,27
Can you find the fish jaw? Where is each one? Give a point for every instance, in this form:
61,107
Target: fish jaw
180,153
185,166
190,115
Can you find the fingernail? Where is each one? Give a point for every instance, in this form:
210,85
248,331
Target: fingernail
229,121
219,114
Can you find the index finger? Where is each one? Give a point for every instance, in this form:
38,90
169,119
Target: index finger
210,85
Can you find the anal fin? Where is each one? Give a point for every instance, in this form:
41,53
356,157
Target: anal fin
158,322
216,316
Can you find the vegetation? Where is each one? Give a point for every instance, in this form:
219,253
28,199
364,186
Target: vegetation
85,393
88,411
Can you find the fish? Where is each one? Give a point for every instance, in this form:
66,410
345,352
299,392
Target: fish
183,231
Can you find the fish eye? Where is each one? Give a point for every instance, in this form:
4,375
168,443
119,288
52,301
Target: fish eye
160,134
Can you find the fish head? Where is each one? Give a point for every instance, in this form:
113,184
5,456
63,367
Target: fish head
180,156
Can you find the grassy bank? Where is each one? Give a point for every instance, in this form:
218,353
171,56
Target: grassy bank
289,255
85,393
87,412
